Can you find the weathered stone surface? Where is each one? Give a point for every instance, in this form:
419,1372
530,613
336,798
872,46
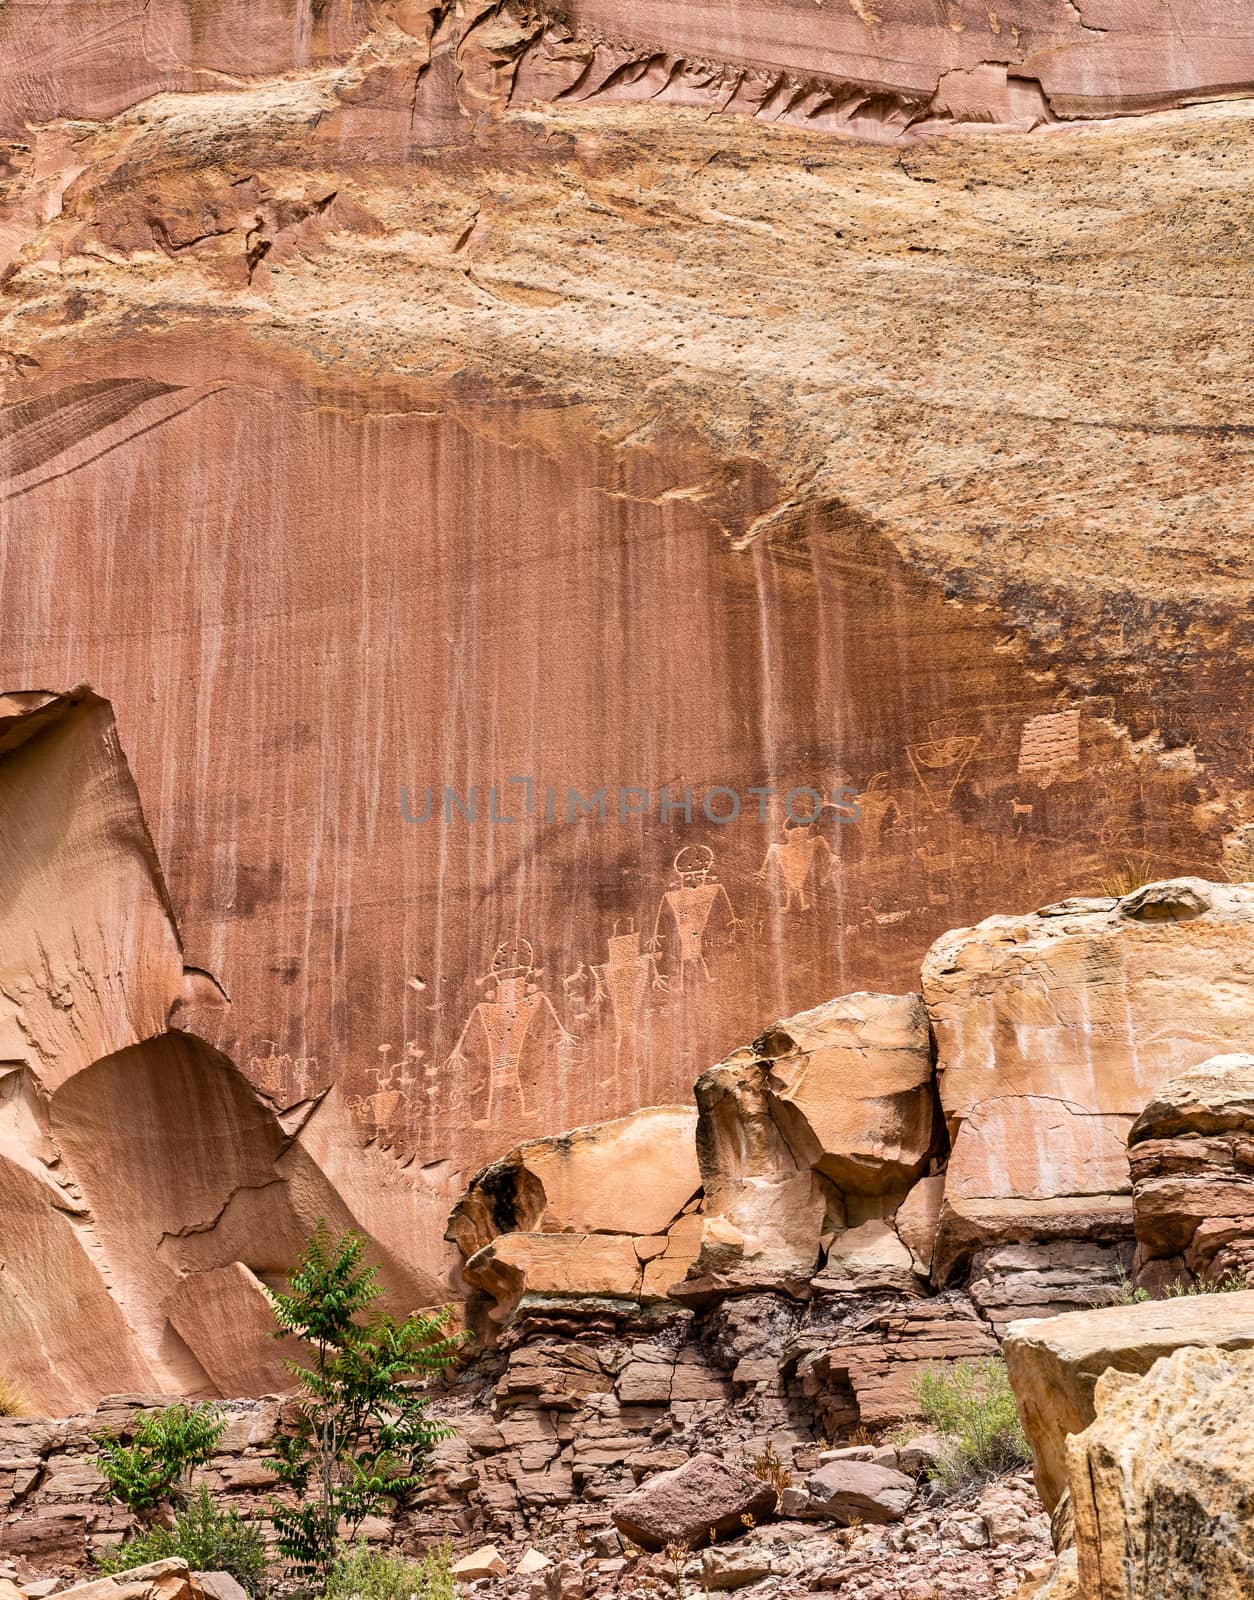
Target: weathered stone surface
1162,1481
574,1264
1054,1030
486,1562
683,1505
733,1568
632,1175
765,1209
220,1586
861,1490
917,1218
851,1089
1055,1364
1191,1153
226,1319
134,1158
1029,64
864,1374
867,1259
170,1579
1012,1281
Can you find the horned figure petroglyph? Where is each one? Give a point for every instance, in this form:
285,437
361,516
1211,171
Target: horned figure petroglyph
796,856
691,900
502,1025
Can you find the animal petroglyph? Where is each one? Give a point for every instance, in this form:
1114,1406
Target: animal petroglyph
793,860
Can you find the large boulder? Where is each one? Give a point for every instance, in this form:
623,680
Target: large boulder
824,1122
631,1175
1053,1030
850,1086
1162,1481
1055,1363
606,1210
861,1491
685,1505
1191,1153
766,1210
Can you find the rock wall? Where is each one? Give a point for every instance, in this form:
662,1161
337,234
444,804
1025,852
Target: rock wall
844,1161
347,350
873,71
150,1191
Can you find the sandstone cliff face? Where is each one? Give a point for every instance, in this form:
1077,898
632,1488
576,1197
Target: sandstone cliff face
1053,1031
150,1192
874,71
347,350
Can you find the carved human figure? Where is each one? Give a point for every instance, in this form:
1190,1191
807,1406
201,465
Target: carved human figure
513,1028
624,978
691,900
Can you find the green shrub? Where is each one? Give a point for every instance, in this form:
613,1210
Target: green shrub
361,1436
208,1539
165,1446
1233,1282
1126,1293
971,1406
364,1574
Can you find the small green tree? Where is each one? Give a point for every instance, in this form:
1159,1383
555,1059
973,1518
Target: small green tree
362,1434
165,1446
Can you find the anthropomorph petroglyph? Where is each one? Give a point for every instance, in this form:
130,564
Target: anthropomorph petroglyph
514,1021
691,901
624,979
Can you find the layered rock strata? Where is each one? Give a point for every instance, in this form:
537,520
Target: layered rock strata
1192,1158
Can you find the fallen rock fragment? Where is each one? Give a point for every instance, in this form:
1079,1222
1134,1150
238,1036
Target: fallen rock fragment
170,1579
733,1567
683,1505
220,1586
486,1562
860,1491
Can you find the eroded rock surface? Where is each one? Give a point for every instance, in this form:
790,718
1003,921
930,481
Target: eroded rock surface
1192,1158
1054,1030
1161,1481
1055,1363
152,1191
